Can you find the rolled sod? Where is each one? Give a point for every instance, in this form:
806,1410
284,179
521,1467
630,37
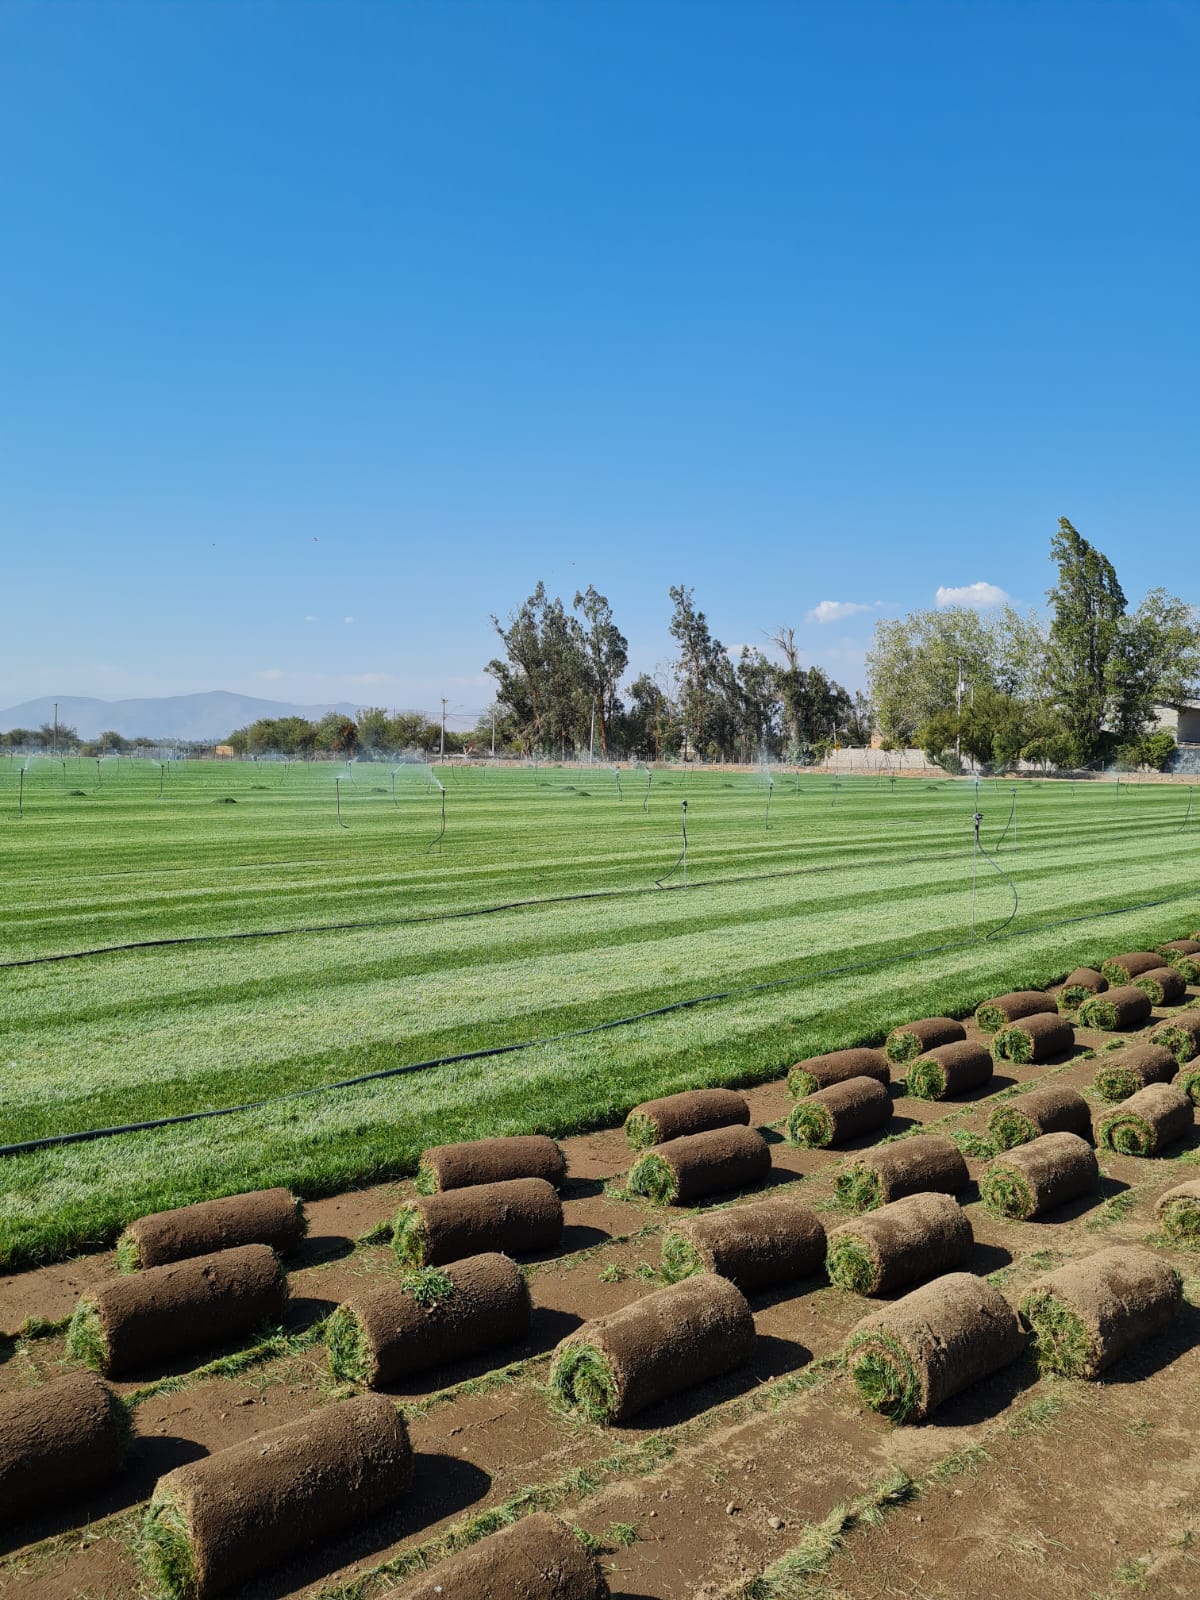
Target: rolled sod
700,1164
927,1161
1147,1122
919,1237
537,1558
1187,1081
166,1311
841,1112
674,1116
1122,969
1088,1314
388,1330
915,1038
1034,1178
754,1246
1181,1036
1116,1010
818,1072
464,1166
519,1217
1079,986
216,1523
1183,947
615,1366
267,1216
1184,956
909,1358
1132,1069
1042,1037
1162,986
951,1069
1178,1211
1052,1109
993,1014
59,1440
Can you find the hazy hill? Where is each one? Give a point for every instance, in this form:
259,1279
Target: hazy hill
177,716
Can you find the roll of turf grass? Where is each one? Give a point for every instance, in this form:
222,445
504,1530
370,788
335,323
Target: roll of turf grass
1117,1010
615,1366
477,1161
754,1246
1042,1037
519,1217
216,1523
162,1312
1178,1211
950,1070
905,1242
993,1014
818,1072
1090,1313
1162,986
1034,1178
538,1558
910,1357
433,1315
1132,1069
674,1116
1147,1122
59,1440
841,1112
1051,1109
1181,1036
1184,956
1079,986
1123,969
915,1038
688,1169
1187,1081
1183,947
927,1161
266,1216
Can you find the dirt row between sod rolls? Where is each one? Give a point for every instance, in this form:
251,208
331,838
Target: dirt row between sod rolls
918,1237
479,1161
1053,1108
268,1216
1034,1178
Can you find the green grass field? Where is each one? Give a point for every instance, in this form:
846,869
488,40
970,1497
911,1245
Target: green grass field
850,871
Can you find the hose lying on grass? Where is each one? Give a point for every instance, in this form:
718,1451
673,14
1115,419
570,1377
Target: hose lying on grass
1042,1037
1079,986
1162,986
519,1217
615,1366
433,1315
1178,1211
841,1112
915,1038
1120,970
216,1523
1051,1109
685,1170
1117,1010
162,1312
1184,956
1034,1178
1147,1122
1181,1036
905,1242
1088,1314
909,1358
266,1216
949,1070
755,1246
818,1072
993,1014
537,1558
675,1115
478,1161
59,1440
1132,1069
927,1161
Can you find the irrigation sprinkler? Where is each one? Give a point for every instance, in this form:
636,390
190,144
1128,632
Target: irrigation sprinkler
1188,812
617,772
976,852
681,860
1011,823
395,802
337,789
161,773
441,834
21,793
767,818
646,799
99,779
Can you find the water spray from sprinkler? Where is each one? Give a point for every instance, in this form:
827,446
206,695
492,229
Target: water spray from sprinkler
646,798
767,818
337,789
1188,813
617,773
161,773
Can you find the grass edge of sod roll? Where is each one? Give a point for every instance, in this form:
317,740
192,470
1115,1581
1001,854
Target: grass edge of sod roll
347,1346
654,1178
165,1549
1062,1343
581,1380
1010,1128
679,1258
884,1377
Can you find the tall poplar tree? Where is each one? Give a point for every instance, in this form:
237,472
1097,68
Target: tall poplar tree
1087,605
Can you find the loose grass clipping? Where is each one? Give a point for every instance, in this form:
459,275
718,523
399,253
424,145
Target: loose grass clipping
993,1014
1042,1037
841,1112
1117,1010
57,1441
927,1161
1051,1109
476,1161
1178,1212
537,1558
902,1243
949,1070
1147,1122
1123,969
755,1246
1162,986
1132,1069
615,1366
818,1072
1079,986
911,1357
1036,1177
215,1524
1090,1313
915,1038
675,1115
266,1216
519,1217
700,1164
1181,1036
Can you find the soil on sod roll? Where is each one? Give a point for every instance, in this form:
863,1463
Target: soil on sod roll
1178,1211
1162,986
1117,1010
993,1014
465,1166
1079,986
818,1072
1132,1069
915,1038
1181,1036
58,1440
927,1161
615,1366
145,1319
1055,1108
674,1116
388,1330
911,1357
1147,1122
910,1240
949,1070
1042,1037
684,1170
841,1112
519,1217
1122,969
267,1216
215,1524
537,1558
1088,1314
754,1246
1034,1178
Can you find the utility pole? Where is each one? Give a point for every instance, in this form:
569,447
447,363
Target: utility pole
442,746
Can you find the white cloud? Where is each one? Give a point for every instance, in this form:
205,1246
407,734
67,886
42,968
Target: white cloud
310,619
835,610
271,672
347,619
979,595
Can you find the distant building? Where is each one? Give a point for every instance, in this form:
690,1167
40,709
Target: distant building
1183,720
226,750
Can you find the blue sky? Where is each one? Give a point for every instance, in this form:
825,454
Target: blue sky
328,329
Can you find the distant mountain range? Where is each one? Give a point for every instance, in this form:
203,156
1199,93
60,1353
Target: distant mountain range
206,717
